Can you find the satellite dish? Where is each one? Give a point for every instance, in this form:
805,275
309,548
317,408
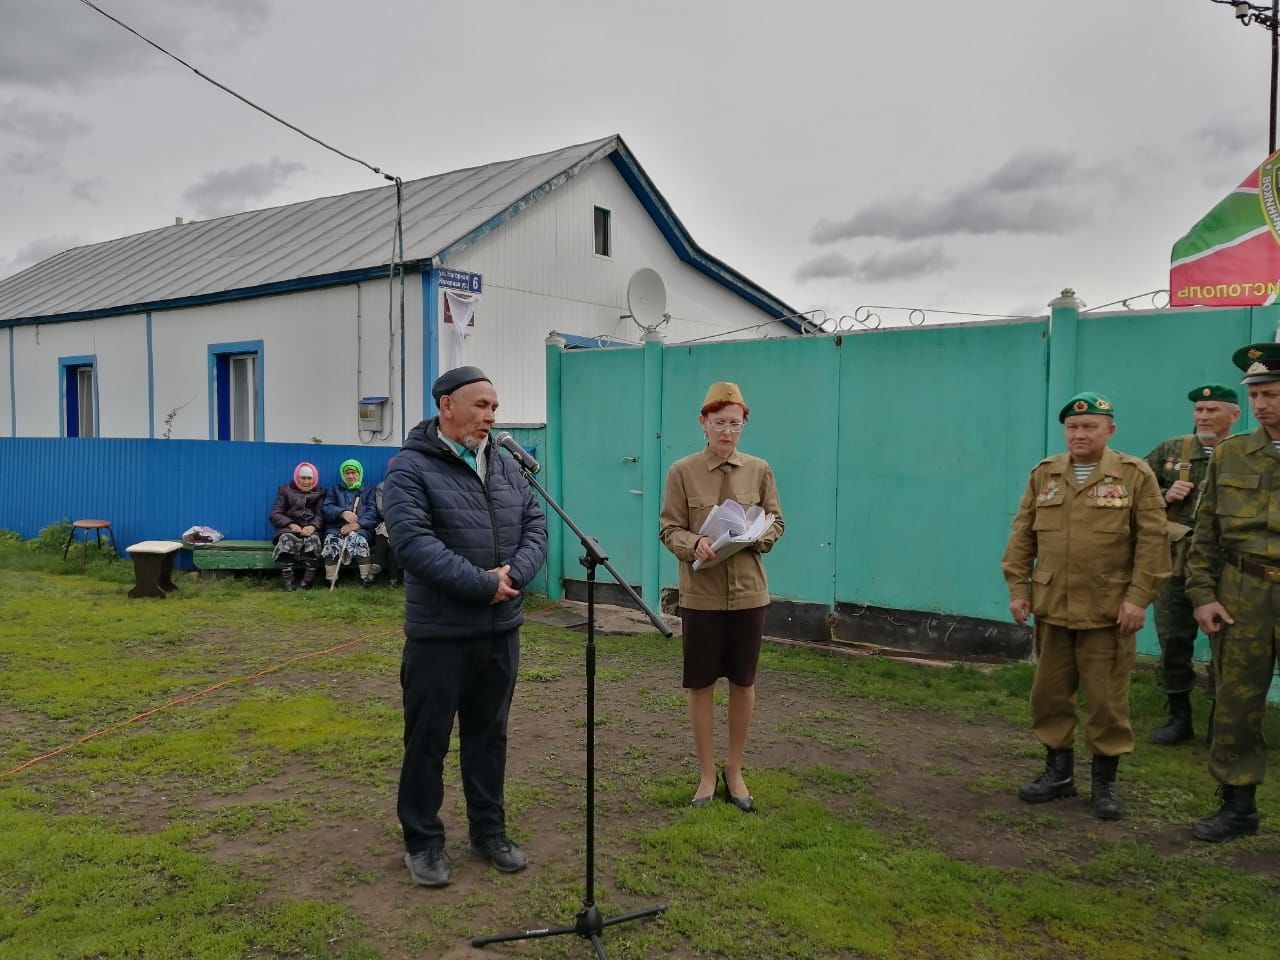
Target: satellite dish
647,297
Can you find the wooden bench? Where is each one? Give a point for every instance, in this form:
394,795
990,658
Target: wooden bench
228,556
153,567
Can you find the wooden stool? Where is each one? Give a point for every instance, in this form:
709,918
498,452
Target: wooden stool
152,567
97,526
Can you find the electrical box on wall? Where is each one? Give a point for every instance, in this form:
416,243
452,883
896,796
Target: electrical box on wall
372,413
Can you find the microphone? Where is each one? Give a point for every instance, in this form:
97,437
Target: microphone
513,447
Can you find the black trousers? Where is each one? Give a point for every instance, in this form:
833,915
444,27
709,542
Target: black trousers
474,680
385,557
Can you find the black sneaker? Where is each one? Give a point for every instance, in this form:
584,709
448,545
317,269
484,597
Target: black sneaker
429,867
501,852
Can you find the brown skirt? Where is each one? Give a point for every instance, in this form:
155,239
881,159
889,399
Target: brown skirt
721,643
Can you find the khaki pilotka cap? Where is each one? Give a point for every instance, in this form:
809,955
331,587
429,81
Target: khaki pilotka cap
723,392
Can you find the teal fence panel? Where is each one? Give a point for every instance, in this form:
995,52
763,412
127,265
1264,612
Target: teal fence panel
792,388
939,428
601,393
1145,363
533,439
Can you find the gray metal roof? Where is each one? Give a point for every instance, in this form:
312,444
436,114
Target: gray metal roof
314,238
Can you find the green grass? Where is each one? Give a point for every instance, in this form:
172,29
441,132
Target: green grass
118,848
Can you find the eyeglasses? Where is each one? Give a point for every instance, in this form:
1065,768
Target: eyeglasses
731,426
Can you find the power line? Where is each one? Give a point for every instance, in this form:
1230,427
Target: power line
241,98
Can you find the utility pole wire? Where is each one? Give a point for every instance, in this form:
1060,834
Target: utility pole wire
242,99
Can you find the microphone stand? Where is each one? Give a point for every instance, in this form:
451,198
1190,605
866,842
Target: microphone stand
589,922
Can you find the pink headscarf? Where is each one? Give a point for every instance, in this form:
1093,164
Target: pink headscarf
305,465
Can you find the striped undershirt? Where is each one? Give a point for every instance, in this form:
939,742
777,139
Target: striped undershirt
1082,471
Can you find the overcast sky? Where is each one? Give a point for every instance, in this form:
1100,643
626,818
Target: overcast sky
972,155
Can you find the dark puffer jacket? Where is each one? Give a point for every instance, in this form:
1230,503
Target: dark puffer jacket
340,499
450,529
294,506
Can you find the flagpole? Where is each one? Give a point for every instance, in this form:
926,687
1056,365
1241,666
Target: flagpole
1275,68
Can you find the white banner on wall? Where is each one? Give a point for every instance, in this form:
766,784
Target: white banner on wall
459,310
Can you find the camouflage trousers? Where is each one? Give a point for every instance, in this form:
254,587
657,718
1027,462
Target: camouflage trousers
1098,662
1244,660
1177,630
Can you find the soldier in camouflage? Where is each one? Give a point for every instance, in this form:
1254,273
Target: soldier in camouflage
1179,464
1087,554
1233,580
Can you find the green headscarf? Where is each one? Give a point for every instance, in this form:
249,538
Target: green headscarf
342,474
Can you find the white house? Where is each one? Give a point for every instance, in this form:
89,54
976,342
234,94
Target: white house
277,324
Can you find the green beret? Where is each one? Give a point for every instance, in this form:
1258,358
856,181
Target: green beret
1259,361
1086,403
1214,391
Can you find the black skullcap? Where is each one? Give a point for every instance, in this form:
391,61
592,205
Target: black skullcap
455,379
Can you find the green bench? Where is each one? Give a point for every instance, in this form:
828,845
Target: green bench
233,555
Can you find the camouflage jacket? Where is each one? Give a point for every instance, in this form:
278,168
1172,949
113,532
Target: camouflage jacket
1164,460
1239,511
1078,551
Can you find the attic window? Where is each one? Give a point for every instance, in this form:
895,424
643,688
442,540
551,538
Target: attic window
604,240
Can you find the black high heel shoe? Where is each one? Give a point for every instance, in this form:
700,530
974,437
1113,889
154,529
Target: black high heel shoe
700,802
746,804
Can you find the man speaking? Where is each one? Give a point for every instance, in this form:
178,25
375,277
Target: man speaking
470,536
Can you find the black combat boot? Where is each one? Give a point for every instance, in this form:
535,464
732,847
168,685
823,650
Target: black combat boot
1057,781
1236,817
1106,805
1178,728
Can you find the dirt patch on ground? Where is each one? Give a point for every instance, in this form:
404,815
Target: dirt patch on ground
932,779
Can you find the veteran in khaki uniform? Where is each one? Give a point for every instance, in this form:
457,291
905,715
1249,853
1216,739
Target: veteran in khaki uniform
1233,579
1179,464
1088,552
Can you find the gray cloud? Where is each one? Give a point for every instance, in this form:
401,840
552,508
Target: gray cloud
1231,138
1025,195
878,267
40,249
231,191
40,126
25,163
87,190
67,45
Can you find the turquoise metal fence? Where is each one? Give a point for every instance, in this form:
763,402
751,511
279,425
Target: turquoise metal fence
900,454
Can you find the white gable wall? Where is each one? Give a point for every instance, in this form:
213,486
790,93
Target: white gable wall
119,346
541,273
6,382
310,343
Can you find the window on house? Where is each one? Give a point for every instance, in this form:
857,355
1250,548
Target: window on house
604,242
236,391
80,397
243,395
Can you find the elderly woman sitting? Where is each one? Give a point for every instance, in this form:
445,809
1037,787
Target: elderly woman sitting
297,521
349,516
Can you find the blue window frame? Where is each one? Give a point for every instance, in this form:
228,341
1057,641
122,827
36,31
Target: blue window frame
78,396
235,391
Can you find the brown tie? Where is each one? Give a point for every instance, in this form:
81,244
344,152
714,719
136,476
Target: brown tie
726,485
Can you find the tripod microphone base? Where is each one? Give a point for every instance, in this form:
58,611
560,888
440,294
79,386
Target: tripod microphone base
588,924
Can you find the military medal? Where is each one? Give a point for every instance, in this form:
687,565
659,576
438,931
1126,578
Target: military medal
1049,491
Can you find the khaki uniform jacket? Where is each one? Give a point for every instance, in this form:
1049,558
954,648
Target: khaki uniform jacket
1164,460
1078,551
1239,511
694,485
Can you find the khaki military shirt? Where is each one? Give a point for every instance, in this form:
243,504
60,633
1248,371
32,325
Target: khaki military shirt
1165,461
1078,551
695,484
1239,511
